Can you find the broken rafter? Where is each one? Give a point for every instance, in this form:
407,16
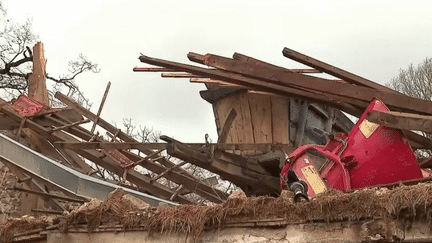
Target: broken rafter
401,120
152,69
111,145
100,107
232,167
395,101
337,72
257,84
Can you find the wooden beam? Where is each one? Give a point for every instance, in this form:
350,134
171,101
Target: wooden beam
195,57
95,156
305,71
37,80
213,81
101,107
337,72
251,177
111,145
394,100
179,75
401,120
177,176
152,69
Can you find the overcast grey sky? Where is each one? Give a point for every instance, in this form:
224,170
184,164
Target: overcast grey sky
373,39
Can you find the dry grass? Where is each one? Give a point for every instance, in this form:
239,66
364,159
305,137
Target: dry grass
405,201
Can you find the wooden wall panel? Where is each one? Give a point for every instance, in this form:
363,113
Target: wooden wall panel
280,119
260,109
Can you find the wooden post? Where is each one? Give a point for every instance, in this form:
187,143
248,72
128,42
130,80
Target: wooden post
37,81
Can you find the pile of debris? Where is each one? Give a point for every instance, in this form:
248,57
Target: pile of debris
267,118
125,212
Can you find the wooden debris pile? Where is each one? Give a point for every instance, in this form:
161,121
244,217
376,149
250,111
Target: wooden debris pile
253,105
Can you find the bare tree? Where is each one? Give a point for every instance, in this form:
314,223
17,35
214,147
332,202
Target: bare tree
16,62
415,82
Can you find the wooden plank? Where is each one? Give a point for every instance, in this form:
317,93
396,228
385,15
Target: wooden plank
101,107
401,120
111,145
305,71
260,107
253,83
247,127
332,70
395,101
280,119
37,80
153,69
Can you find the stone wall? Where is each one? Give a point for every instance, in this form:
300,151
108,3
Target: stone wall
10,200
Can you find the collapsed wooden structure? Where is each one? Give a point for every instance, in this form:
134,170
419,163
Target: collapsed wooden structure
253,104
262,113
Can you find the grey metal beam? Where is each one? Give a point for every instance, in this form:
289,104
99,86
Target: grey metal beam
64,177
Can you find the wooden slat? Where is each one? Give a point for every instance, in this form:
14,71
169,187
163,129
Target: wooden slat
179,75
332,70
395,101
111,145
401,120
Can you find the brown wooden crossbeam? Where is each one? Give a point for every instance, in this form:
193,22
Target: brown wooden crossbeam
402,120
250,176
179,75
50,195
111,145
394,100
70,125
332,70
223,134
